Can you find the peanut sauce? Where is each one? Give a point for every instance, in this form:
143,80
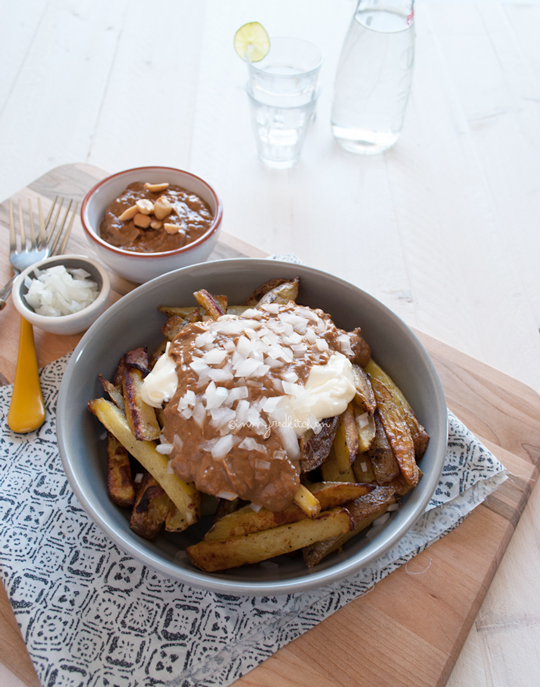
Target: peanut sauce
259,466
189,212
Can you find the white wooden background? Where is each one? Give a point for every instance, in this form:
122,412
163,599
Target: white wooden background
444,228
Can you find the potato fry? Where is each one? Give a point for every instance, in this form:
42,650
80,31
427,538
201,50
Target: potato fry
262,290
346,440
381,455
213,307
364,510
288,291
365,425
119,482
252,548
365,398
337,468
307,502
397,432
314,448
183,494
363,469
246,520
150,510
157,353
191,313
141,417
173,325
114,394
418,433
225,507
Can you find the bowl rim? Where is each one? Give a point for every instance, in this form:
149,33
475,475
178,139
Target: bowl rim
42,320
214,582
93,236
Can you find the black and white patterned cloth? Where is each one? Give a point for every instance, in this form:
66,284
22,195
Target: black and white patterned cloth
91,616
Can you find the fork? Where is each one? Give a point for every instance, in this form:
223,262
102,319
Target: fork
27,411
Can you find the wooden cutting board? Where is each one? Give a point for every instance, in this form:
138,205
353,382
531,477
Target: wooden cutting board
410,629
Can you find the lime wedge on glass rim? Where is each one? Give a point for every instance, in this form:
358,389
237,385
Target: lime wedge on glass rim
251,42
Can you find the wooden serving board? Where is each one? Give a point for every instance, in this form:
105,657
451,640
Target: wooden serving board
410,628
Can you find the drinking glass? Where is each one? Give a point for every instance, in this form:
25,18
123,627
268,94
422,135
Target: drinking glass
283,91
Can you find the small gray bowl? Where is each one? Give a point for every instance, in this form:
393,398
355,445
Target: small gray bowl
135,321
65,324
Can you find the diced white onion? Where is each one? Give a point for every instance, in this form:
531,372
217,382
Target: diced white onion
164,449
57,291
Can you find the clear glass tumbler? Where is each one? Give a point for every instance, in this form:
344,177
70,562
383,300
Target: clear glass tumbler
283,91
374,76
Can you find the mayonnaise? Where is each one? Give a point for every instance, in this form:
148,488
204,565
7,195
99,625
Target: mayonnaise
327,392
159,386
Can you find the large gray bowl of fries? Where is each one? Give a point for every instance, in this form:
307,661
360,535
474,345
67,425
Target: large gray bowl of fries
364,476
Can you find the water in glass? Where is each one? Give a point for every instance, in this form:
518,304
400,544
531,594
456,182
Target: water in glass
374,76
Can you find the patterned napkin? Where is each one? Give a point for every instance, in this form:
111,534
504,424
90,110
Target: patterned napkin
92,616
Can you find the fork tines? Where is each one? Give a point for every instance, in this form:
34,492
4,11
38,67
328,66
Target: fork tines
51,229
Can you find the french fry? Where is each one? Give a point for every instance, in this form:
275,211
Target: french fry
183,494
141,417
150,510
213,307
397,432
157,353
307,502
225,507
262,290
246,520
172,326
346,440
364,510
114,394
365,425
383,460
418,433
365,398
191,313
288,291
337,468
332,494
252,548
119,482
363,469
315,448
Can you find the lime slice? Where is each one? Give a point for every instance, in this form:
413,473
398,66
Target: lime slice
251,42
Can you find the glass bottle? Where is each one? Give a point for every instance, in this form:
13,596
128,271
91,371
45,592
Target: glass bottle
374,76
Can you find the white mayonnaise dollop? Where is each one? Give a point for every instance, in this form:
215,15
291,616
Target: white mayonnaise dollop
328,390
159,386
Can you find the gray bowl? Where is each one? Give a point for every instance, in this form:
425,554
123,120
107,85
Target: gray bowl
135,321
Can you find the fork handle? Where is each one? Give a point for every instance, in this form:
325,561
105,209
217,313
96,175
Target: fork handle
26,412
4,293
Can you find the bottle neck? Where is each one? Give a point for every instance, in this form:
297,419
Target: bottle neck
403,7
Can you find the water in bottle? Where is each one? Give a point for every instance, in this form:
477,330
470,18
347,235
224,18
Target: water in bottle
374,76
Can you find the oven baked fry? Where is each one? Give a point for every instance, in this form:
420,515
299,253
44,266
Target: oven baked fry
114,394
307,502
363,469
397,431
365,398
364,510
262,290
150,509
183,494
213,307
365,425
418,433
381,454
141,417
223,554
314,448
245,520
288,291
119,482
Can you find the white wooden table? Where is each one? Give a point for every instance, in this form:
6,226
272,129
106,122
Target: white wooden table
444,228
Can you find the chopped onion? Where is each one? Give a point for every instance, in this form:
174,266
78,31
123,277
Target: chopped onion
251,444
262,464
56,291
222,446
215,356
164,449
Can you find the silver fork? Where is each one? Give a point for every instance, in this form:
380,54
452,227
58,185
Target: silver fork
27,411
34,248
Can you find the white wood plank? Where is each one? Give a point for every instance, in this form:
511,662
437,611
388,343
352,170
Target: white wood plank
53,107
147,112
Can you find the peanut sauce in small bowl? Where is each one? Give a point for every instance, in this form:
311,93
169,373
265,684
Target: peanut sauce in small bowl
147,221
